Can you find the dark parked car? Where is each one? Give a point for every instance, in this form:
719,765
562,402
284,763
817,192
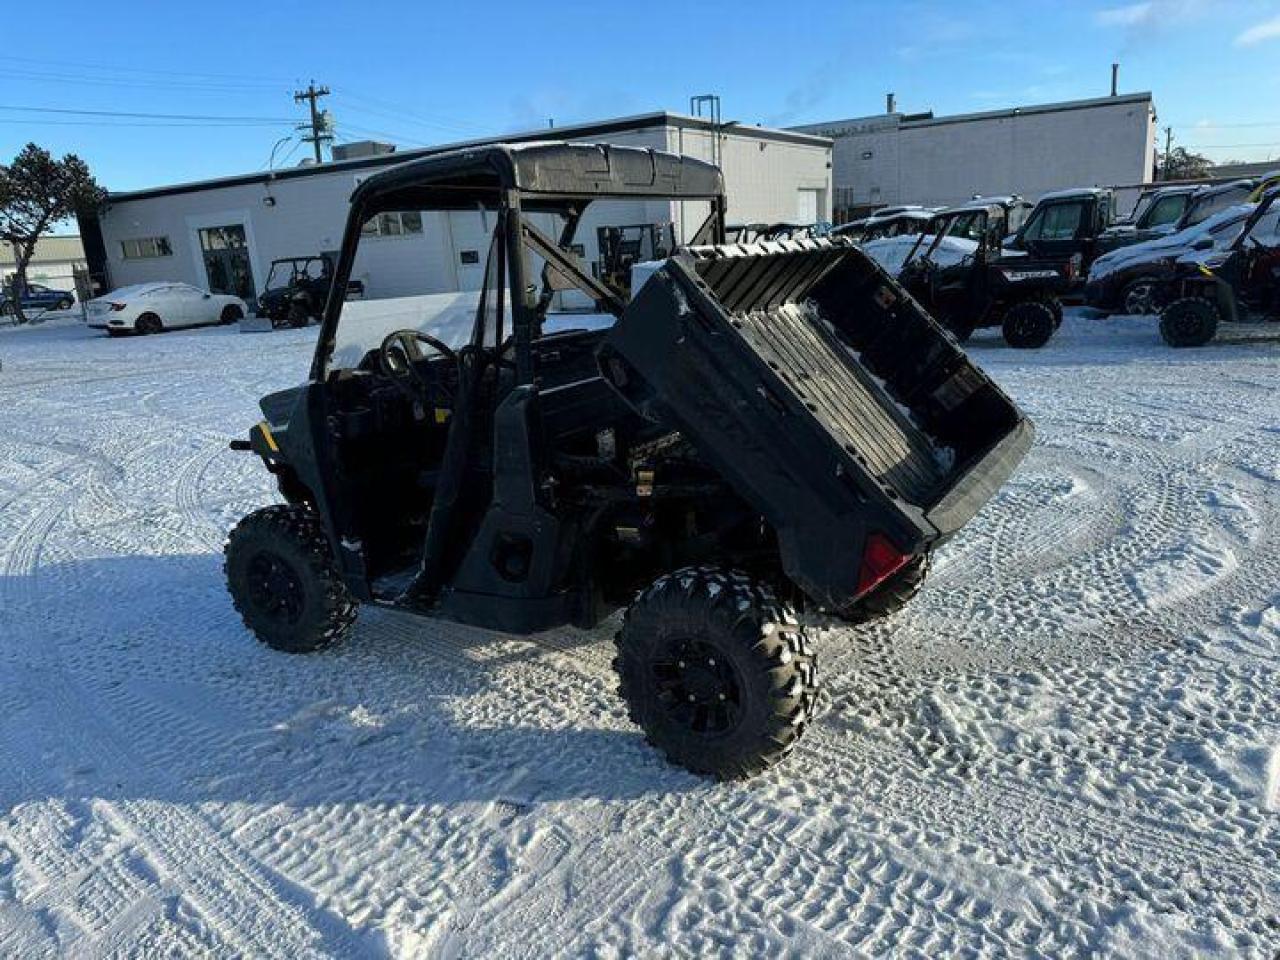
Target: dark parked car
37,297
1127,280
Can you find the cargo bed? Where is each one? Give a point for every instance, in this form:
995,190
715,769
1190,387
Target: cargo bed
824,393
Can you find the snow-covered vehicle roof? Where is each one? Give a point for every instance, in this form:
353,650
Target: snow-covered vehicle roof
891,252
1074,192
1170,244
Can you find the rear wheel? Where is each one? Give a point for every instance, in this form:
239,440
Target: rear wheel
1029,325
1138,297
283,581
716,671
148,323
7,309
230,314
64,304
1189,322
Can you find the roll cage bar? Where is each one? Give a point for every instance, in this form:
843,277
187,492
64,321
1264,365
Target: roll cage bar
561,178
942,222
1264,205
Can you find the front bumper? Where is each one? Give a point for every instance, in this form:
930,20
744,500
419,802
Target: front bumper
1102,294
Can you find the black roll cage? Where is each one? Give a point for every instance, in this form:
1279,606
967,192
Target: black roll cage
1264,205
512,180
942,223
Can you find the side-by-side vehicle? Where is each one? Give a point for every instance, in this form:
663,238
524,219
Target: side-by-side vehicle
759,435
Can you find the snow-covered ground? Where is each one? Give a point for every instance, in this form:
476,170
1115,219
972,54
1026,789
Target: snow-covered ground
1069,746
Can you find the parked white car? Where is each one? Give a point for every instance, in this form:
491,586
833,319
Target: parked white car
153,307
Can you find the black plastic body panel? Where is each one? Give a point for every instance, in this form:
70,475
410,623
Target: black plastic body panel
827,397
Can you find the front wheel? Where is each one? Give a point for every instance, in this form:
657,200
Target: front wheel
716,671
64,304
1189,322
283,581
7,310
1029,325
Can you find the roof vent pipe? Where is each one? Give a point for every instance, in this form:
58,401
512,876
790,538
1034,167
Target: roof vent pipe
890,103
1115,77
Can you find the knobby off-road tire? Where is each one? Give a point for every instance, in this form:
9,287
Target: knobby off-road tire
890,596
717,672
283,581
1029,325
1189,322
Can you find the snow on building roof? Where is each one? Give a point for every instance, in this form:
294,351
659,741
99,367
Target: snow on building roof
927,119
572,132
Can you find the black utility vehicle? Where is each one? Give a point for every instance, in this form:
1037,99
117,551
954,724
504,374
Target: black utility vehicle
1067,227
622,247
1156,214
901,221
988,287
296,290
762,431
1212,286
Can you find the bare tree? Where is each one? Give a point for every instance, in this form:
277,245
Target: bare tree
37,192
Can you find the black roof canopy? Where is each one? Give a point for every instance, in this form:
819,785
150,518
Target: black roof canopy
547,175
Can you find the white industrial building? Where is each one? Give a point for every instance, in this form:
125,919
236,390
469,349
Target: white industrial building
53,263
223,234
895,158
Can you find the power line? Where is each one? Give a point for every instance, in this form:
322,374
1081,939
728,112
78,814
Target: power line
397,111
108,122
202,86
149,116
132,70
1225,126
1232,146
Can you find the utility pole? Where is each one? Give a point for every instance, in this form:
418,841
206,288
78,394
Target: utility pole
1168,145
319,123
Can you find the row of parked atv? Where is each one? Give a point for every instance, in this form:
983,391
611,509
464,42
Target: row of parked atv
1196,255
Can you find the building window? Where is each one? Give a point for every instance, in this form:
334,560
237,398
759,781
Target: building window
145,248
396,224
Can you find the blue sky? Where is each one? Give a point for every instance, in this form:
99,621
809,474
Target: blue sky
426,73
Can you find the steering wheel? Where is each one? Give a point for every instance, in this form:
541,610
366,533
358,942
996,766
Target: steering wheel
401,350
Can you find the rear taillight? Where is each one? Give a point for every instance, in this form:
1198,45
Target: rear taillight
117,306
880,560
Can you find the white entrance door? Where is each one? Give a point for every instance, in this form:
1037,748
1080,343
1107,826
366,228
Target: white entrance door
806,206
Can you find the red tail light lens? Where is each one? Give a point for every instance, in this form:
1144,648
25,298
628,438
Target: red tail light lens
117,306
880,560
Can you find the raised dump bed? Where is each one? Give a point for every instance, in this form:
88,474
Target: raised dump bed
829,397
